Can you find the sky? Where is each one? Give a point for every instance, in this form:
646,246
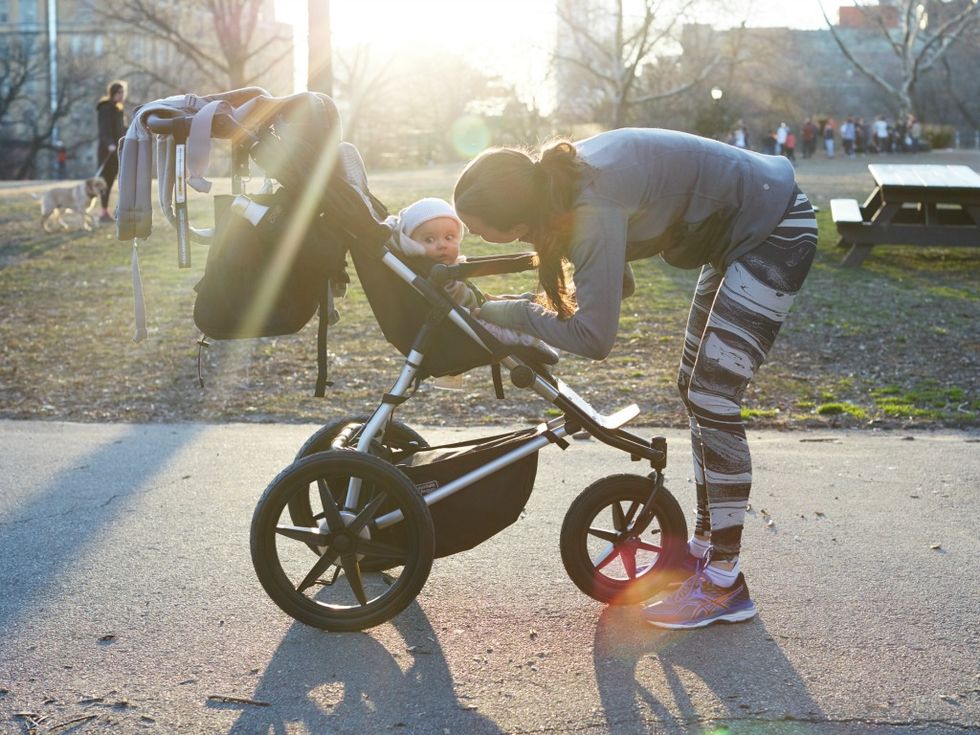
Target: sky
508,37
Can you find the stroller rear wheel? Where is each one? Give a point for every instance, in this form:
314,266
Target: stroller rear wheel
607,554
398,438
341,590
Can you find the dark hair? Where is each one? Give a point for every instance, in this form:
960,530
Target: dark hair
507,187
111,88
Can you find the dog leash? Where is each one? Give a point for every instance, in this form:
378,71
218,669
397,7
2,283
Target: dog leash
104,162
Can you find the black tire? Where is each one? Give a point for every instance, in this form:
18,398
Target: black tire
346,541
610,562
399,437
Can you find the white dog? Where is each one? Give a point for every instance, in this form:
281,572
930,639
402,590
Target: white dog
82,199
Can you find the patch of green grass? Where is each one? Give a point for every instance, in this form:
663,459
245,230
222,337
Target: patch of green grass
925,399
749,414
900,325
841,407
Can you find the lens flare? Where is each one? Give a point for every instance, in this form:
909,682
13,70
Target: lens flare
470,135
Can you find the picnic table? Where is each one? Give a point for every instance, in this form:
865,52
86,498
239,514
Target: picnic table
911,205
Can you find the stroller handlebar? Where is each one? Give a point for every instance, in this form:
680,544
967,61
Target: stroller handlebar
486,265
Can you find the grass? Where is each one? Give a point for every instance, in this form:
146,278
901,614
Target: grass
893,343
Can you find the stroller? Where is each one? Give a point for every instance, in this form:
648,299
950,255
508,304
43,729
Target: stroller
344,537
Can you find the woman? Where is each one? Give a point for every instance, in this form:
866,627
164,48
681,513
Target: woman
112,127
634,193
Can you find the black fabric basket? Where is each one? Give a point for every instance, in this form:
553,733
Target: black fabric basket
472,515
240,268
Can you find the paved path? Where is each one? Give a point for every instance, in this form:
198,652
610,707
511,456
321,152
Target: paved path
127,597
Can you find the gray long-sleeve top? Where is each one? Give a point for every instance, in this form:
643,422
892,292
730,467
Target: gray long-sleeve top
689,199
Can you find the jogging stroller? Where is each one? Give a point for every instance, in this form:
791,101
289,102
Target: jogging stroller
344,537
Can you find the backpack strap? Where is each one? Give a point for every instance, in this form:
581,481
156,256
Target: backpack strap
326,315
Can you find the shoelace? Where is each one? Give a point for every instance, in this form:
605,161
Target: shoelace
696,580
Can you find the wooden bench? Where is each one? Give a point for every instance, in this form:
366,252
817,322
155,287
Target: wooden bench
846,214
847,211
911,205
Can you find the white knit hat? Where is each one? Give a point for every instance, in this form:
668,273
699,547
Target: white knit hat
424,210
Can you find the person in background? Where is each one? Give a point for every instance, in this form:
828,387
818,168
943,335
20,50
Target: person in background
881,134
61,159
915,133
860,136
636,193
781,132
810,131
789,148
847,135
740,136
112,127
828,137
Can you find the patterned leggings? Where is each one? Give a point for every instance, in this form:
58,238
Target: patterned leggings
733,322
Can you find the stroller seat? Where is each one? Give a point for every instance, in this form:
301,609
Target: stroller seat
400,309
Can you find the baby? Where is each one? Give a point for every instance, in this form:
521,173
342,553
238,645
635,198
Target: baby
430,228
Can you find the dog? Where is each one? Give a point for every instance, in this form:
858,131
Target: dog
82,199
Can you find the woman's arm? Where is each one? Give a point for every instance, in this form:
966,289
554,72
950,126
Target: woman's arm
598,252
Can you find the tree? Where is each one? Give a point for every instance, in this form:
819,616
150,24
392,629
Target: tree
27,117
320,56
611,47
220,39
919,33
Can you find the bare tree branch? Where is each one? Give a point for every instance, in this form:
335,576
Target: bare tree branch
917,46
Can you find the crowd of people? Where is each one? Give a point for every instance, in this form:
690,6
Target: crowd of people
852,137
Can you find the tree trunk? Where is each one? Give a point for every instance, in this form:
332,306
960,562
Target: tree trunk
319,76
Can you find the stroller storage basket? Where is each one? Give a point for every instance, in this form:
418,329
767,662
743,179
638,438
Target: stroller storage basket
475,513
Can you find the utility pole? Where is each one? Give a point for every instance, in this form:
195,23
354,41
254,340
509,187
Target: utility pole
53,64
320,72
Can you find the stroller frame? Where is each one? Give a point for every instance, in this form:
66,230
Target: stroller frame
364,493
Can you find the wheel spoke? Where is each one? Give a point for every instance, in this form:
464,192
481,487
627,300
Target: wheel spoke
380,550
649,547
352,571
607,557
631,513
330,512
367,513
628,555
610,536
619,520
319,568
304,534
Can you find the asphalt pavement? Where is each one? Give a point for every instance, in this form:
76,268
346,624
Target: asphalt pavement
128,602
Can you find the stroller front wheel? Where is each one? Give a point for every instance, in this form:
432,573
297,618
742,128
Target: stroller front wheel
343,588
607,554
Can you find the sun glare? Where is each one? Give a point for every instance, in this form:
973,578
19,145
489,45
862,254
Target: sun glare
507,37
512,38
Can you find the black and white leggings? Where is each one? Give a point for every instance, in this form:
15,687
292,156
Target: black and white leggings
733,322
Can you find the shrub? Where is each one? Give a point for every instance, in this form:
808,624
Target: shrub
939,136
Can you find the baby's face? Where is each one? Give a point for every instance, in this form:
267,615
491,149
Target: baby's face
440,237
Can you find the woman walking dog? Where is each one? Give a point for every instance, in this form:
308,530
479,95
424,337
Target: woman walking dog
112,127
634,193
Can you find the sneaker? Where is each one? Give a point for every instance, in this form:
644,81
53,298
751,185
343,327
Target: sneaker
106,217
699,602
684,568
